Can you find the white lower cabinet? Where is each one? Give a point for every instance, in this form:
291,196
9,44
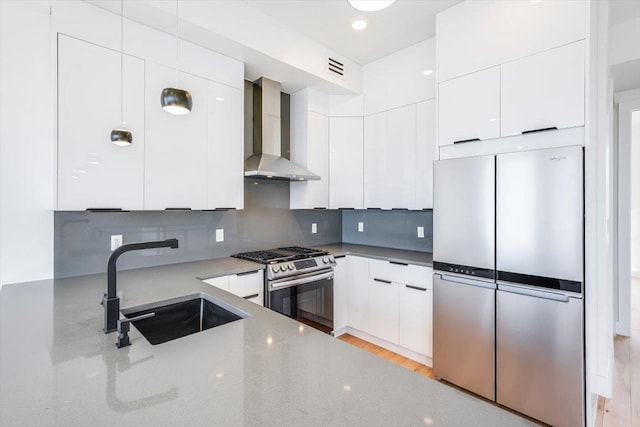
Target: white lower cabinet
358,293
340,297
387,300
383,308
416,323
249,285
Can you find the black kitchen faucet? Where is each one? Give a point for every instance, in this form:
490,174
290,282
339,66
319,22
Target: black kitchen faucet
110,301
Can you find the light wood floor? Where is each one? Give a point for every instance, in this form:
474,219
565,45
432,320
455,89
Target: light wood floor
412,365
623,409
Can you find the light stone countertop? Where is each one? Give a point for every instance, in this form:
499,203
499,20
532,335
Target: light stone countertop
57,367
399,255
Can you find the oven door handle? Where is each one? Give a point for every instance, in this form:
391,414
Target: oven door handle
294,282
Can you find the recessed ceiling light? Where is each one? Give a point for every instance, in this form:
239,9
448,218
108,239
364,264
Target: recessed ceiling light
427,72
219,98
370,5
359,24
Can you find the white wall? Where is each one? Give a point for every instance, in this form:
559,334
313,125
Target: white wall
26,148
635,193
624,42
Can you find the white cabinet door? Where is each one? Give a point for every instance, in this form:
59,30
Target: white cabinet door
221,282
249,286
340,296
176,146
225,159
426,153
383,301
358,293
310,149
543,91
346,167
469,107
93,172
474,35
416,327
389,158
318,160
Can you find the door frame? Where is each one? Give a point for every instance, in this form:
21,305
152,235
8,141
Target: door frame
627,102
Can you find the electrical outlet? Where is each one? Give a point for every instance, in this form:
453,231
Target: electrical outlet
360,227
220,235
116,241
421,232
314,228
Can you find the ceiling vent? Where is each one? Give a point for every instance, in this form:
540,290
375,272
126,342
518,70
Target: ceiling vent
335,67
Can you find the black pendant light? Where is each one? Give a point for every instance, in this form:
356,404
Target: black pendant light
121,137
174,100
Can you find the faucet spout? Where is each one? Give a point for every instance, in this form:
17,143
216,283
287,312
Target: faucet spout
110,300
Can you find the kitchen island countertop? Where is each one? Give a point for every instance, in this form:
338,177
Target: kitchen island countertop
57,367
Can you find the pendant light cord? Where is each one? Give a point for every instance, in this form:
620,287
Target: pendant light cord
121,61
176,44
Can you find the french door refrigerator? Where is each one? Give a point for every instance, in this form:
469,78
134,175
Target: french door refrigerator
537,227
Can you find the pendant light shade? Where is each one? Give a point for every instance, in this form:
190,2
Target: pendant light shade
176,101
173,100
121,137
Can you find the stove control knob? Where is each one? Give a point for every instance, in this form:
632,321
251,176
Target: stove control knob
291,266
325,260
275,268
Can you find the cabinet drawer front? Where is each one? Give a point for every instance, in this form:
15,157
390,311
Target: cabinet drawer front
219,282
257,299
245,284
401,273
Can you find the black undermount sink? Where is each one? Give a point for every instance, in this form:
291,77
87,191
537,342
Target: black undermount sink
179,317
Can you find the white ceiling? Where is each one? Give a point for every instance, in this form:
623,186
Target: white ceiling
404,23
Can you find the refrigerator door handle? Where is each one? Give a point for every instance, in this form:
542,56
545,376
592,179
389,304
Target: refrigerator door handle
534,293
470,282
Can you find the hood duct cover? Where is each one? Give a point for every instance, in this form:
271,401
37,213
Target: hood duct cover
267,160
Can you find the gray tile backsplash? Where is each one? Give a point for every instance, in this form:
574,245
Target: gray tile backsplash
392,229
82,239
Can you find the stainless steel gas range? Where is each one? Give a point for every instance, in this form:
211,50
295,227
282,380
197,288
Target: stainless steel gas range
298,283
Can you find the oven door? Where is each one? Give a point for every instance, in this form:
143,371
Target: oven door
306,298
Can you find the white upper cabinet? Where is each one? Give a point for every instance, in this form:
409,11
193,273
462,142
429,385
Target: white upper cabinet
310,148
346,162
93,172
543,91
346,105
176,146
426,153
474,35
469,107
401,78
390,159
225,179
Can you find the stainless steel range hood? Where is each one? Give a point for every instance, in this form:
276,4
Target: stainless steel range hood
267,160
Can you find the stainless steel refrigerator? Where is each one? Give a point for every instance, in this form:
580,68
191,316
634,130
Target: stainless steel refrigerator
508,280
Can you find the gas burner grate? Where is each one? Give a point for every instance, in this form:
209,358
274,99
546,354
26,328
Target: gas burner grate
303,251
261,256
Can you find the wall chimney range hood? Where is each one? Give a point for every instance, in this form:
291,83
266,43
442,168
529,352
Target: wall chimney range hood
267,161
